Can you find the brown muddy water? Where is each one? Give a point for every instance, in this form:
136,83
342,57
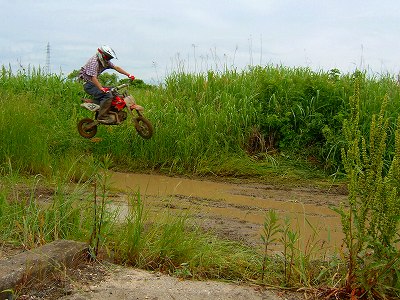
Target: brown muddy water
237,211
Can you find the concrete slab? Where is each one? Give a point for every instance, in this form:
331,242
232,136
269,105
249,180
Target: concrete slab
135,284
39,262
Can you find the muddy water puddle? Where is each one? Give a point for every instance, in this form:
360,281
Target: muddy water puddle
237,211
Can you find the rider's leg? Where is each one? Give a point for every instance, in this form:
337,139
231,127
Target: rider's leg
105,106
104,99
94,91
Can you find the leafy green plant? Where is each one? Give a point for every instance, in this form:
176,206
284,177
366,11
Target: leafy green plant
371,222
269,236
297,260
289,239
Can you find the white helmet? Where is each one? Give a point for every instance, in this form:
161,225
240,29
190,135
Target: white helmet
105,53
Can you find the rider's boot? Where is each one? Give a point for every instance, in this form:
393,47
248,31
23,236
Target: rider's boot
104,116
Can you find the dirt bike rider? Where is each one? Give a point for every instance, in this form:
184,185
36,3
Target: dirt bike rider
90,72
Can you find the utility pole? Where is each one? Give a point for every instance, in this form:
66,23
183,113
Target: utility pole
48,59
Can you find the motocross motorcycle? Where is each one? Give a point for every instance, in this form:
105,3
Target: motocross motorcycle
122,104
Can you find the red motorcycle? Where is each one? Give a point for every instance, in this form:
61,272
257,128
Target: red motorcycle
121,103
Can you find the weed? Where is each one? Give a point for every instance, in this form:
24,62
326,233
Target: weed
100,214
270,231
371,222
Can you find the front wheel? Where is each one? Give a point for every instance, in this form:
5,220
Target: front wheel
143,127
86,128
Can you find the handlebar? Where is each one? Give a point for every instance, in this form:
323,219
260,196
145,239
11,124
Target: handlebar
119,87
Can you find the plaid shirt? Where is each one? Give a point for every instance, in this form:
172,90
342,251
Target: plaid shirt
93,67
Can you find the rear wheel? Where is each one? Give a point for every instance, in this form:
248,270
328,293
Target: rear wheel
86,128
143,127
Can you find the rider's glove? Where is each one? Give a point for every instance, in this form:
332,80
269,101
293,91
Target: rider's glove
104,89
131,77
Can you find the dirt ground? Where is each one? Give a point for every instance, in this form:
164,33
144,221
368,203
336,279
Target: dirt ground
235,211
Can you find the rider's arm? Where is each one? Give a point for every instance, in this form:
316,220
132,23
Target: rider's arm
121,71
96,82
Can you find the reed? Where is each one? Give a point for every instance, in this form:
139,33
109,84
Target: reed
215,122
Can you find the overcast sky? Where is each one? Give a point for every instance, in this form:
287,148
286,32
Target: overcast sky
154,37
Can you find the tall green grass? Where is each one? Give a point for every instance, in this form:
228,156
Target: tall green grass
26,221
171,244
228,122
24,138
36,122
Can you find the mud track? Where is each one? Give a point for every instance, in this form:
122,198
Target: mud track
237,210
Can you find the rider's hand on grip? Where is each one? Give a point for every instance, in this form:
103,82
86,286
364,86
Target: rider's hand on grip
131,77
105,90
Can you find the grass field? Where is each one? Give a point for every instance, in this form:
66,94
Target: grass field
258,123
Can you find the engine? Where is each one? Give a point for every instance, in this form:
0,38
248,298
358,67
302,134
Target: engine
121,116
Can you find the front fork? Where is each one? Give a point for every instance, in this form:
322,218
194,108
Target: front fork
132,113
